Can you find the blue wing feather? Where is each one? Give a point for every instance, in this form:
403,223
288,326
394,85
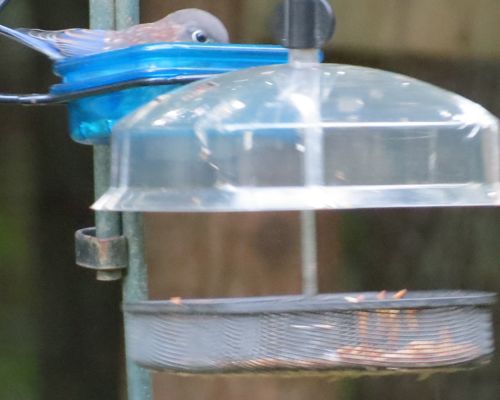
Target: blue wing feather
3,3
46,48
59,44
71,42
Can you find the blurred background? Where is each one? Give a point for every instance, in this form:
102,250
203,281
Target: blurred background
60,330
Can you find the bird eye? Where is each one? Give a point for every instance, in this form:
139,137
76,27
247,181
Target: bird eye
199,36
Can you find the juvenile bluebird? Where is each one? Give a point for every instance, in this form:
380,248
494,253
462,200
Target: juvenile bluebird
188,25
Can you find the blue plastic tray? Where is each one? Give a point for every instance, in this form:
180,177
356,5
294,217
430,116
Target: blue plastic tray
92,118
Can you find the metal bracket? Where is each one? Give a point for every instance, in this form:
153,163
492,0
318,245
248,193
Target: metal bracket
108,256
41,99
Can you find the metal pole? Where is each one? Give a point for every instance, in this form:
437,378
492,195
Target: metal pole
309,253
135,283
126,13
117,14
102,14
313,162
135,288
108,224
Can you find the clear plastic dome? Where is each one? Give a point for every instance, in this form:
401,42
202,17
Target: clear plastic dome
304,136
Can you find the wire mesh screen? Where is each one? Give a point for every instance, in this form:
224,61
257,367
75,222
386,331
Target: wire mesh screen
324,333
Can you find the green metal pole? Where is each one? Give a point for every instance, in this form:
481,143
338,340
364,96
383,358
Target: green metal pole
126,13
102,14
108,224
135,283
135,288
118,14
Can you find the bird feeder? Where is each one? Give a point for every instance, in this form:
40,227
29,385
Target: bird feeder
102,88
307,136
304,136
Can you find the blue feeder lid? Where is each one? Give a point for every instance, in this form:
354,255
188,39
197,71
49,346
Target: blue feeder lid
91,118
304,136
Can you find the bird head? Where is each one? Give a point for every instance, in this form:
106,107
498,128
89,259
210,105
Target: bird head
199,26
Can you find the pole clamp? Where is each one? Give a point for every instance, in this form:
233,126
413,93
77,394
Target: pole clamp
107,256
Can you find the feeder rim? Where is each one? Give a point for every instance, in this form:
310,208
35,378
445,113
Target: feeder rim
322,302
178,47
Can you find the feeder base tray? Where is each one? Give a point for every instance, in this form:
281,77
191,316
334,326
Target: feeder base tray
341,335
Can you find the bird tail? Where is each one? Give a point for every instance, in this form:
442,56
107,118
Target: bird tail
3,3
37,44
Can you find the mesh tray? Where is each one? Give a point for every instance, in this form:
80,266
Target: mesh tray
326,333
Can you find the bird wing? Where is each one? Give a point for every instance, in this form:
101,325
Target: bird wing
70,42
3,3
39,45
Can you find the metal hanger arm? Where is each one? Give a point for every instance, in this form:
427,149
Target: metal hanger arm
56,98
